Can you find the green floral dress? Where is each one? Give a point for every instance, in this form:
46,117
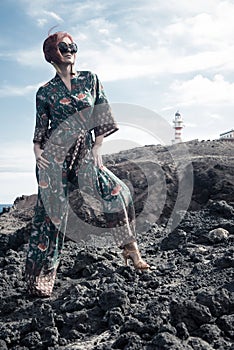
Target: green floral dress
65,124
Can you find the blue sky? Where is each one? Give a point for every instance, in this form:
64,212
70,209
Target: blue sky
160,55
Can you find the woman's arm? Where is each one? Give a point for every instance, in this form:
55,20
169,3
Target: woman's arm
42,163
102,118
41,127
102,122
96,150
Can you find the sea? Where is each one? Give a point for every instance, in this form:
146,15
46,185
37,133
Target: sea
4,206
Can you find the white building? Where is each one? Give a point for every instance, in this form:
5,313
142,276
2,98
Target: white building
227,135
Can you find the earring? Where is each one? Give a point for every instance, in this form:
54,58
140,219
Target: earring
73,71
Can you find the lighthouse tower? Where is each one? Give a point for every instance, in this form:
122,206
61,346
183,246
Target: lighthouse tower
178,126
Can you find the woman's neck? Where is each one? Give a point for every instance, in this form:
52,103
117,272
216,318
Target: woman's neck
65,71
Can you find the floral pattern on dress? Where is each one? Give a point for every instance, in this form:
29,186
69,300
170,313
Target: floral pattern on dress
65,121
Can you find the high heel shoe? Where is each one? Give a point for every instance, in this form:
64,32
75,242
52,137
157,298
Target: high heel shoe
136,258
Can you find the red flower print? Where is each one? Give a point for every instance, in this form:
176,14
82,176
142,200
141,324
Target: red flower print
116,190
44,116
81,96
65,101
43,184
42,247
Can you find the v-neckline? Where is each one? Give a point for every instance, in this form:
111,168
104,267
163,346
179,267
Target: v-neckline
70,91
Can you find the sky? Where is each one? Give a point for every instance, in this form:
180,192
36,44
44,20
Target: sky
162,56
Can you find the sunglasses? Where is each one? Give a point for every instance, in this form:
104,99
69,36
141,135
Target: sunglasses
64,47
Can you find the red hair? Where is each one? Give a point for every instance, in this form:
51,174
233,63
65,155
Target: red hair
50,48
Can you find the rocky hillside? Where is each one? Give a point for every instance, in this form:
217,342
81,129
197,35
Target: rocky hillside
184,203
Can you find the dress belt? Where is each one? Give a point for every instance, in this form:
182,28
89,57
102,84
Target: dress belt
77,146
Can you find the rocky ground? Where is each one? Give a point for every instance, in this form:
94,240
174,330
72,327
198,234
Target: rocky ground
185,302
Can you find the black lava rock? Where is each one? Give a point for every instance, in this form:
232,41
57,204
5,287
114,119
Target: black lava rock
185,303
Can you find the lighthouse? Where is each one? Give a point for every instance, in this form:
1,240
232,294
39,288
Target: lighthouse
178,126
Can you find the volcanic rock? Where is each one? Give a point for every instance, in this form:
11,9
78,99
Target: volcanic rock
186,231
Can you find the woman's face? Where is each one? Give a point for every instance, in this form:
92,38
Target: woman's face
69,54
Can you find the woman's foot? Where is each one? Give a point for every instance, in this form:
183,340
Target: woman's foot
131,252
38,294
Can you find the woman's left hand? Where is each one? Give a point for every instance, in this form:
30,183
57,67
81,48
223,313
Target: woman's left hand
97,157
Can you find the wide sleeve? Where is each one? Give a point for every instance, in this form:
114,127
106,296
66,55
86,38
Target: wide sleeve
42,118
102,117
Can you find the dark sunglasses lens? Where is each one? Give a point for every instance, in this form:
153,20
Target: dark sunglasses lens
63,47
73,47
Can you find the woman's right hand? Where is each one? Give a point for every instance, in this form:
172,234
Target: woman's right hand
42,163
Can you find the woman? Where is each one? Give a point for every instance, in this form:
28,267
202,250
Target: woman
72,107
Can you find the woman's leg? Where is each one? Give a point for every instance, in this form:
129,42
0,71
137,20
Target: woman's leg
120,215
131,252
45,247
44,252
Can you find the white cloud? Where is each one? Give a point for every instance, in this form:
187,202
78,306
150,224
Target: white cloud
140,40
10,90
211,29
41,11
188,41
53,15
202,91
183,7
41,22
103,31
80,12
32,57
116,62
